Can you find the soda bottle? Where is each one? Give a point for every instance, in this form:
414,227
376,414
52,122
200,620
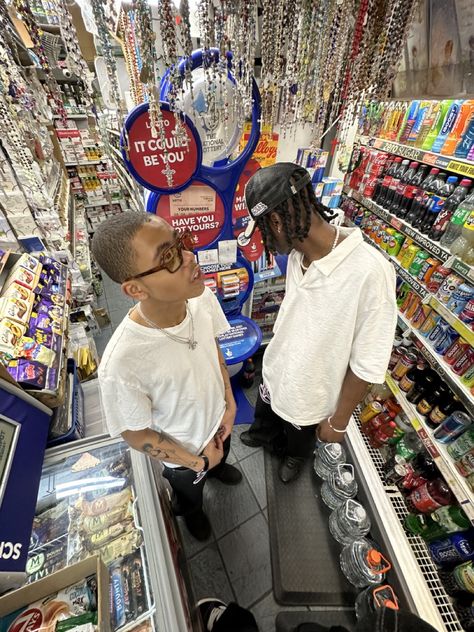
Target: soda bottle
437,125
340,486
442,410
395,182
455,549
467,140
327,458
437,203
448,125
424,526
387,179
460,215
460,127
371,599
421,197
383,179
451,519
465,241
406,179
429,497
362,564
433,189
349,522
460,580
441,223
410,191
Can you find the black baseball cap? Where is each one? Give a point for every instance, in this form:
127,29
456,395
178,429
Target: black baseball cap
269,187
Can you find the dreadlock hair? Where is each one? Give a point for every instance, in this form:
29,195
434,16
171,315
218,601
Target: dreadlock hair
112,244
296,214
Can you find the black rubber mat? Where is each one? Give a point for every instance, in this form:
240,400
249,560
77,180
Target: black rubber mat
288,621
305,557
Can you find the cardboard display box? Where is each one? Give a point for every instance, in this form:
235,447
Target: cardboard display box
62,579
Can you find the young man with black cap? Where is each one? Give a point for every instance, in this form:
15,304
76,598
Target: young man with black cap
334,332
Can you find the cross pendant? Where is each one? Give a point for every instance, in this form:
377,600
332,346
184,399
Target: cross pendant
192,344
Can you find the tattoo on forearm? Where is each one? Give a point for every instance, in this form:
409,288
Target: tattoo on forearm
168,453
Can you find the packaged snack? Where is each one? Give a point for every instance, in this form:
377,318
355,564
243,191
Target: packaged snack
106,503
15,290
50,524
96,524
101,538
27,372
46,561
31,350
23,276
45,323
29,262
15,309
56,312
10,334
122,546
82,623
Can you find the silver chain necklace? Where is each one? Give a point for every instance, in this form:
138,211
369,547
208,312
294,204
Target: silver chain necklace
336,239
191,342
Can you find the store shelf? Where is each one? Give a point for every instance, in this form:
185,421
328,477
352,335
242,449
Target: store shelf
85,163
434,248
429,598
114,132
462,329
438,451
453,164
440,366
73,117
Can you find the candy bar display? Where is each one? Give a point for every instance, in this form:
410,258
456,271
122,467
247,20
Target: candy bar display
33,319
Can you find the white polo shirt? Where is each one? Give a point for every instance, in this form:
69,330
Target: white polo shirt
148,380
342,312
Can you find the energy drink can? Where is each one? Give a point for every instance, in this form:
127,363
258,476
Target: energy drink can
452,427
460,297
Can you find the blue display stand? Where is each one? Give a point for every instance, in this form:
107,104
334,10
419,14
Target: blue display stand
232,283
24,425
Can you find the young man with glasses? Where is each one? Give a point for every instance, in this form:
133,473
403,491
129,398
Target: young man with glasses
164,382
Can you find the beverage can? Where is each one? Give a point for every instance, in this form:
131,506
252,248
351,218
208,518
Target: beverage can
443,344
389,233
420,258
449,285
467,314
464,576
404,364
437,333
464,362
468,377
413,306
396,474
403,250
371,410
458,347
409,256
460,297
420,315
427,270
430,323
437,278
462,444
395,244
452,427
465,465
453,550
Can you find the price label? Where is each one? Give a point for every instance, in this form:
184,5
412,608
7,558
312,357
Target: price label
461,168
428,443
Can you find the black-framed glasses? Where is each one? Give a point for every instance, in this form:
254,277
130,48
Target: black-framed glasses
171,258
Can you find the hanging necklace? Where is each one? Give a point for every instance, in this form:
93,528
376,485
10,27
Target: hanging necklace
336,239
191,342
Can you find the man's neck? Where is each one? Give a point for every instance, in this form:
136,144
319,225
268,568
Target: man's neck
318,243
163,315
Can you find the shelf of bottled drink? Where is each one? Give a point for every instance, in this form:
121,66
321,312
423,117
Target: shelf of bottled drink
454,165
439,365
410,551
434,248
438,451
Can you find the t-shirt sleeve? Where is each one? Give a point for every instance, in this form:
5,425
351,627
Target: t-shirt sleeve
220,323
126,407
374,332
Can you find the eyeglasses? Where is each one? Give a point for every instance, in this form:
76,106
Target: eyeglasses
171,258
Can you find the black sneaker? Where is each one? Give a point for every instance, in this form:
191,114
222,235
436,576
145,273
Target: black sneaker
211,610
249,441
290,468
198,525
227,474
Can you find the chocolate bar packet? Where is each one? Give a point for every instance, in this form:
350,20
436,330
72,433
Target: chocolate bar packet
28,372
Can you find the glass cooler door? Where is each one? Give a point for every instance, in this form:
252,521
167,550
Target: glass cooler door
100,498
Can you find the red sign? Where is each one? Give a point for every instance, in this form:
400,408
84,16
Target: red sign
240,215
147,154
197,208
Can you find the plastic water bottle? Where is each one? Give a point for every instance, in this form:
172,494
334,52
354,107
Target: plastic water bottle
340,486
465,241
371,599
456,223
327,458
349,522
362,564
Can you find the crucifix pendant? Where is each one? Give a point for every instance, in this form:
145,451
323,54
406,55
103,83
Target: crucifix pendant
192,344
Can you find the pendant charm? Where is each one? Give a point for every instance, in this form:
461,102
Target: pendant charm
192,344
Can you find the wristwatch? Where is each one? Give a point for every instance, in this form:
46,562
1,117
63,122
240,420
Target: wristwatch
206,463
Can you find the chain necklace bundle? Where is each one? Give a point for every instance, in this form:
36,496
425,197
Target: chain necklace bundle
190,341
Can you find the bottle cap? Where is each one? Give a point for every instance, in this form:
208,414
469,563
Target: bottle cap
465,182
452,179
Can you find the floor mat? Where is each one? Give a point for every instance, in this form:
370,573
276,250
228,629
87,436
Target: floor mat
288,621
305,557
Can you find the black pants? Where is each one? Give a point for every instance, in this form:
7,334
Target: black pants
188,496
279,435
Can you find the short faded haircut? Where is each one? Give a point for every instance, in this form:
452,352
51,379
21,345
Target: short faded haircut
112,244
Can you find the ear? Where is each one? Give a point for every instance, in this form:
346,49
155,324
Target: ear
276,222
135,290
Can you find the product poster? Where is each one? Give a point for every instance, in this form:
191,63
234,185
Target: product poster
198,208
240,215
266,151
229,282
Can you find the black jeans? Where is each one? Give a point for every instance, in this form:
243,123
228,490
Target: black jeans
281,436
188,497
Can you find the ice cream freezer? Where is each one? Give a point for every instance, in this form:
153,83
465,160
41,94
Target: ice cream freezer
98,496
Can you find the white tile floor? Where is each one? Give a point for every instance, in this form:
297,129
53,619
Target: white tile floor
235,563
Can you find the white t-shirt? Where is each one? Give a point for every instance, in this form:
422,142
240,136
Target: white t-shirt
148,380
340,313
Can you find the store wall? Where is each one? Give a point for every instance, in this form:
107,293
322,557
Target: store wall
289,145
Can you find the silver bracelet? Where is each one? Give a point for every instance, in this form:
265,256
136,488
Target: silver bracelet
335,429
